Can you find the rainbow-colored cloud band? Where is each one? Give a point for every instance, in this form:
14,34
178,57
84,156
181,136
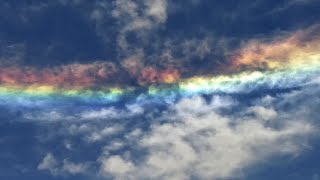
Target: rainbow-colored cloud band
283,63
238,83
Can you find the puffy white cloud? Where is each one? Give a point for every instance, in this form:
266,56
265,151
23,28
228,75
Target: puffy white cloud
117,166
198,141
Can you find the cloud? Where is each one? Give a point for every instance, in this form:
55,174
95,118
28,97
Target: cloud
105,132
66,75
138,18
113,146
130,110
50,163
74,168
300,48
51,116
117,166
263,113
137,15
105,113
57,168
157,9
197,141
56,114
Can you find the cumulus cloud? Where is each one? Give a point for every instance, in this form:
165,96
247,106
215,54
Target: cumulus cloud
197,141
223,148
206,137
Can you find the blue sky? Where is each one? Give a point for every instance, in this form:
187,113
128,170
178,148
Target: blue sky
263,128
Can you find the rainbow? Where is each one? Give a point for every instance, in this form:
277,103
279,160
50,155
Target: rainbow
280,64
244,82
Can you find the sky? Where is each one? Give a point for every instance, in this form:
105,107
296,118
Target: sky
159,89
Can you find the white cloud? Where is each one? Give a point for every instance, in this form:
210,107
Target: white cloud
114,145
263,113
116,165
56,167
157,9
74,168
125,8
49,163
137,15
105,132
199,142
105,113
112,113
53,115
135,109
